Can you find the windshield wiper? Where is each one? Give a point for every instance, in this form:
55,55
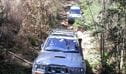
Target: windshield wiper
55,50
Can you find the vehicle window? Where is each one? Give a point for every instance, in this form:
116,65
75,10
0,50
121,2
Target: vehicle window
75,11
61,44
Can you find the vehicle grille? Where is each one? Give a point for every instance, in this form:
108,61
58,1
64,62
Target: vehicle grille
57,69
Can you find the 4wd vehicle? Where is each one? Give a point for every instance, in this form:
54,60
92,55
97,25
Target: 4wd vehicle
59,55
74,12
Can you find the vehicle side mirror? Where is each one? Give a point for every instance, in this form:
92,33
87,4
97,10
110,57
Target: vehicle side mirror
68,13
82,12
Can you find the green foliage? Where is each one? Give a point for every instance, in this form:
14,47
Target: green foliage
33,41
111,22
109,69
114,25
90,10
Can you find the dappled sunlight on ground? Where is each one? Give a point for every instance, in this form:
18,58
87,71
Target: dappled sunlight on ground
91,54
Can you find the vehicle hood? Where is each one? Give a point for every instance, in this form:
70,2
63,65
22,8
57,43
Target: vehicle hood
60,58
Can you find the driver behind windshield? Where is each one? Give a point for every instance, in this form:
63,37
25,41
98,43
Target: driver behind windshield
61,44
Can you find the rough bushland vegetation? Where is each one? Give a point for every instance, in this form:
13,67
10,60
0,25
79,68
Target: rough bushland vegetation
107,19
24,24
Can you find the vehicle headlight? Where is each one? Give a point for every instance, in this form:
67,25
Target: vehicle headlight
81,69
77,69
39,69
39,72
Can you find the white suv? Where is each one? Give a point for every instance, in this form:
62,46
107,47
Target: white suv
59,55
74,12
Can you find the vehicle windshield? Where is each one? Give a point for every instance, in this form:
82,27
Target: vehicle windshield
75,11
61,44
